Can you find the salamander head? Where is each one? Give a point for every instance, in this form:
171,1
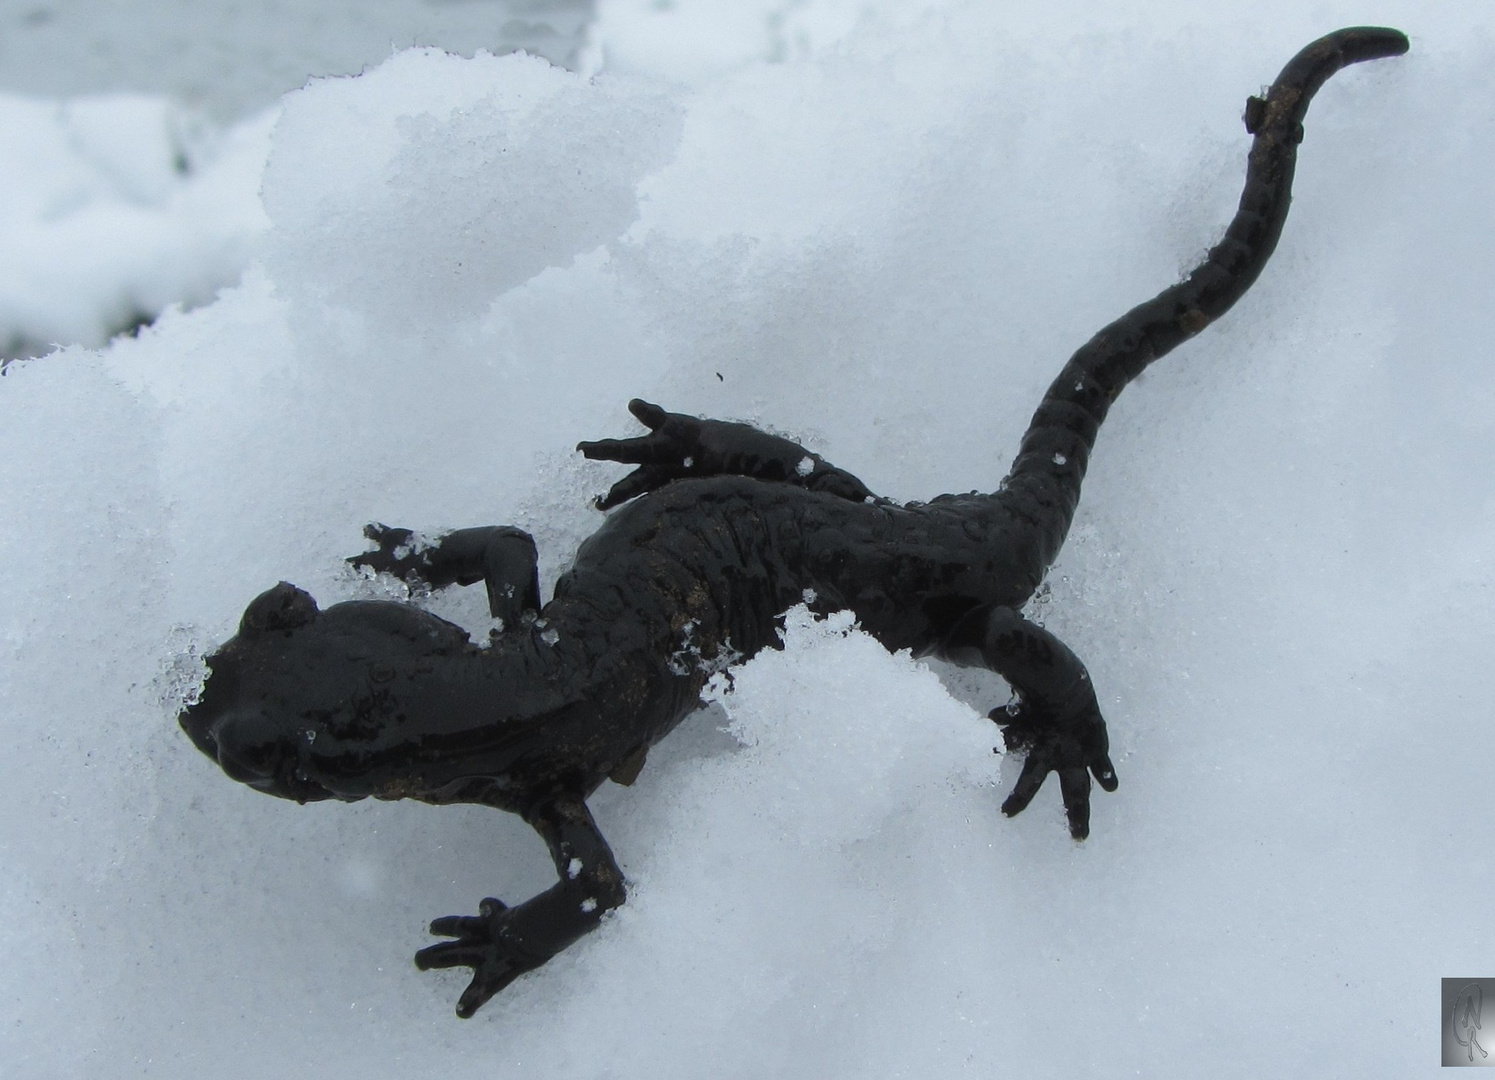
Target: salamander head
307,704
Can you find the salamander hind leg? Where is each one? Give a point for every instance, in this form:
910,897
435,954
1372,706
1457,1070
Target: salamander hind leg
1056,720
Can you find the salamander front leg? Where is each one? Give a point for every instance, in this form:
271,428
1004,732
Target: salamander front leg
502,557
679,446
501,943
1055,718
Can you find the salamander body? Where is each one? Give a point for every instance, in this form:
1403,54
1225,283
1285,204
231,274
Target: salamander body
717,532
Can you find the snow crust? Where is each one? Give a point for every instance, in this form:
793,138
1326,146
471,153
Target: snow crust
886,246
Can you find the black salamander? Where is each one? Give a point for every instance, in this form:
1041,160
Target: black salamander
719,530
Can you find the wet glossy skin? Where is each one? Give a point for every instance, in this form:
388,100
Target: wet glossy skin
382,699
721,529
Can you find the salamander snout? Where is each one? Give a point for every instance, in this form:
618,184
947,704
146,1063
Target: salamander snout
252,749
248,747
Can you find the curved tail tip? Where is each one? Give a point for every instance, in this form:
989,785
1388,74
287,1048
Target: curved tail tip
1370,42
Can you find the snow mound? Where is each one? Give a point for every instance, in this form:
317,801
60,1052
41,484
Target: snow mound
113,208
514,166
1279,577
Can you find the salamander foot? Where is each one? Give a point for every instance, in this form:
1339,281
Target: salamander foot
486,943
1076,750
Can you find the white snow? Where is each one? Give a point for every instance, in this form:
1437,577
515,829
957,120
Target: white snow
886,243
116,207
233,59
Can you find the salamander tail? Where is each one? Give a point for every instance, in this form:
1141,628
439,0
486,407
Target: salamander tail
1046,475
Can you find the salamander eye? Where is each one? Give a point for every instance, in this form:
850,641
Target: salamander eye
284,608
381,672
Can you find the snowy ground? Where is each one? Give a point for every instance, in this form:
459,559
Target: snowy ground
133,134
882,228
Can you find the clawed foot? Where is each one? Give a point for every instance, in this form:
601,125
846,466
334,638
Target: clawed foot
486,943
1075,749
396,553
672,449
679,446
